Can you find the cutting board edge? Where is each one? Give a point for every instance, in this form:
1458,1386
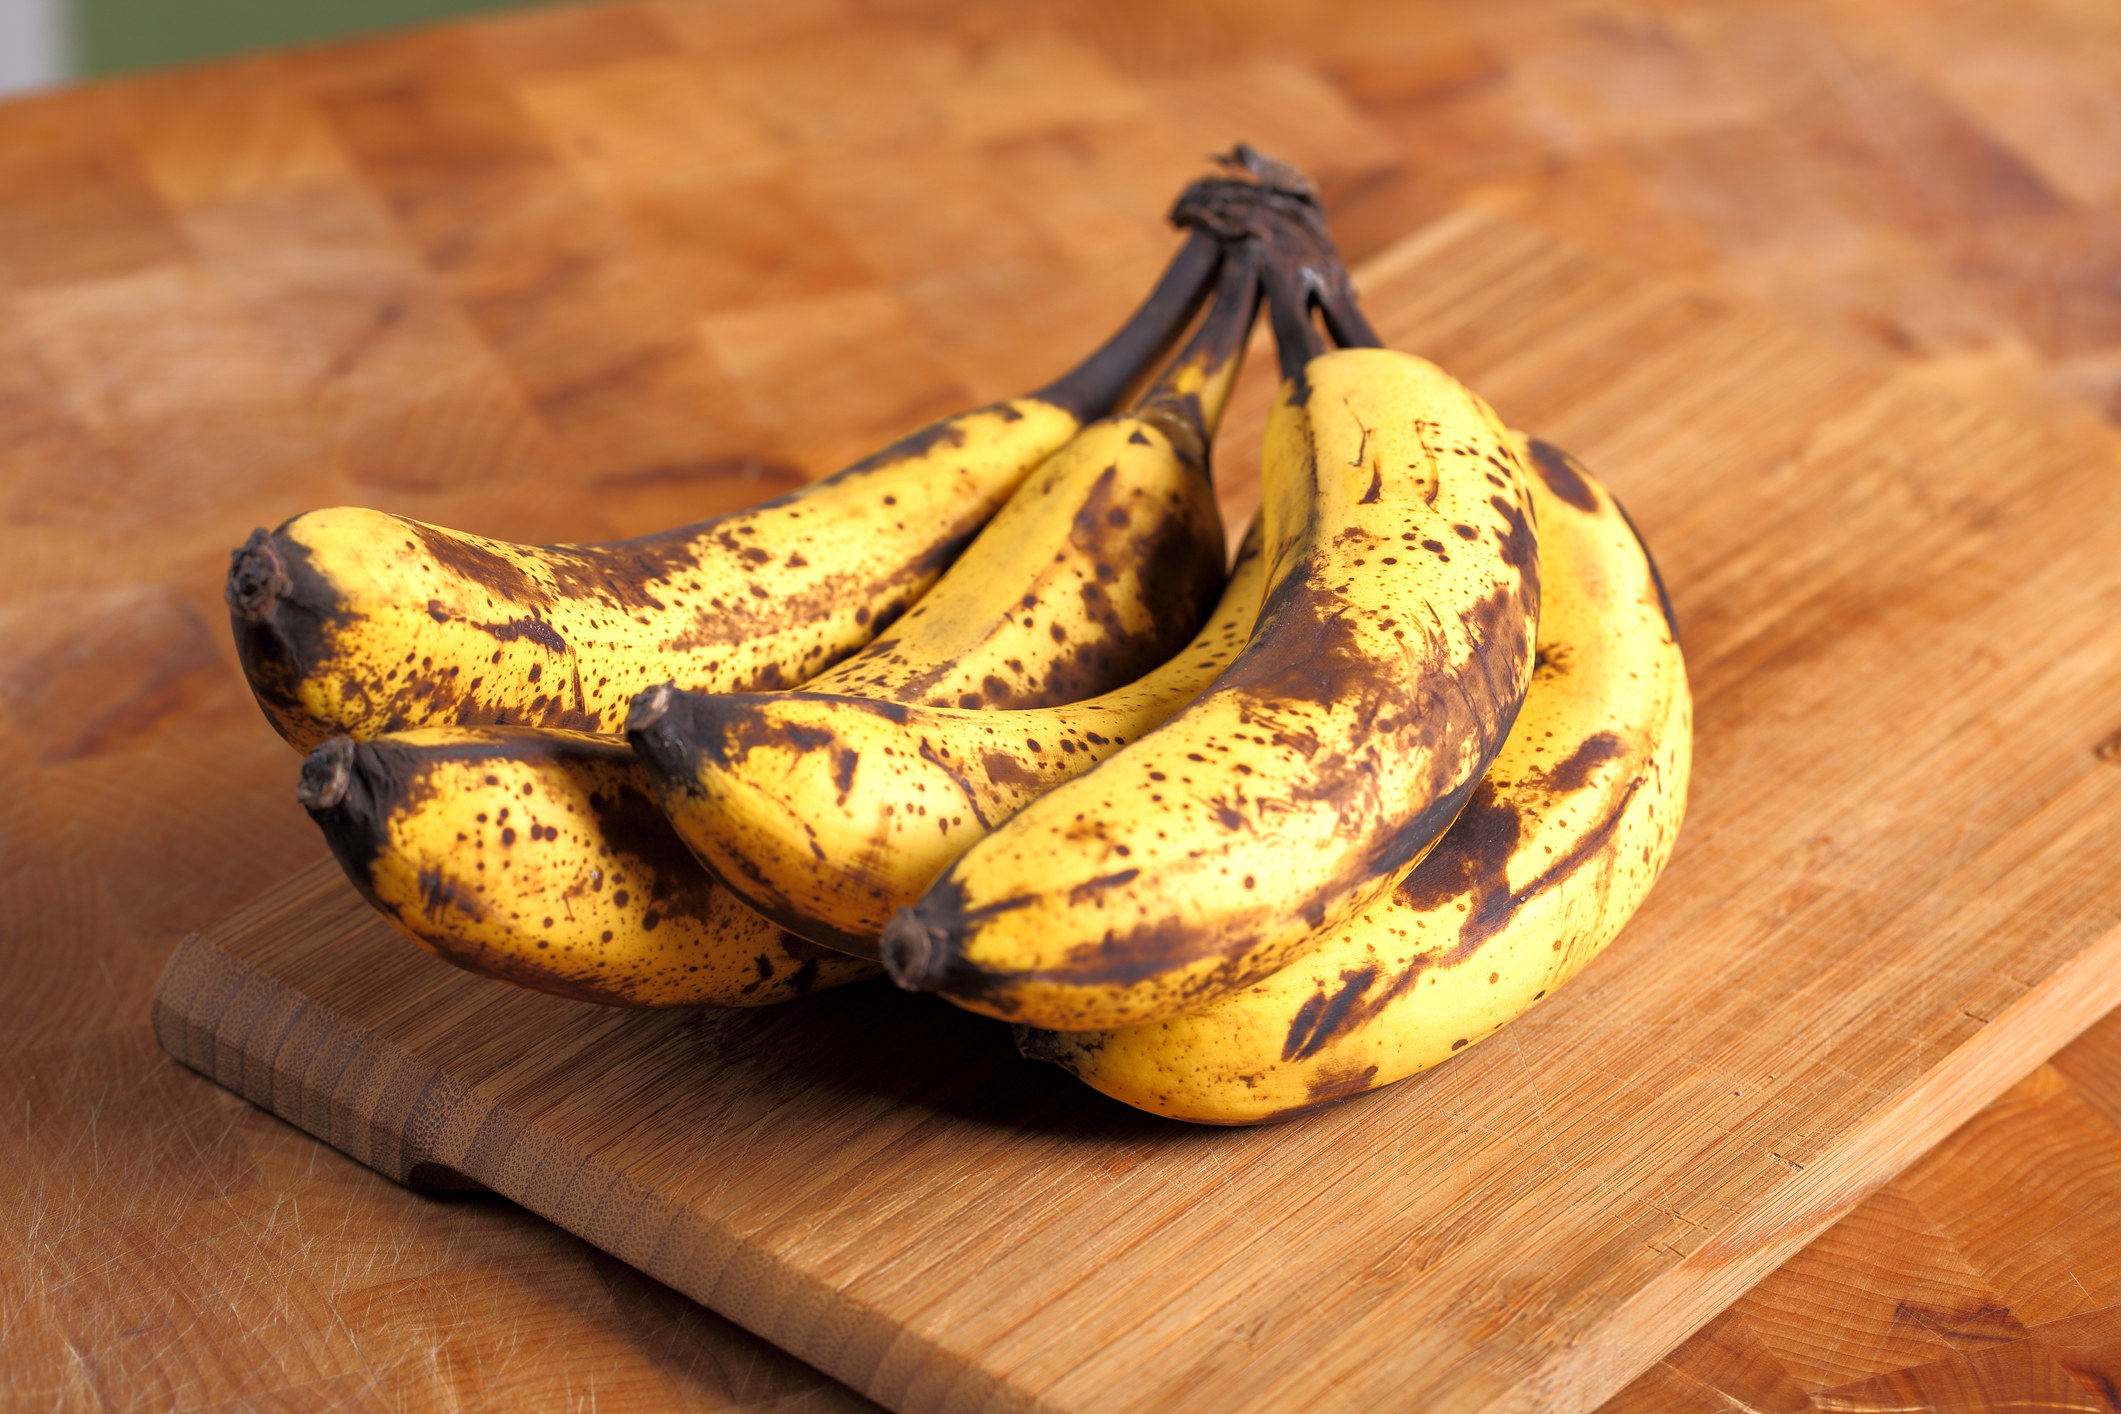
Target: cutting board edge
211,1008
208,1011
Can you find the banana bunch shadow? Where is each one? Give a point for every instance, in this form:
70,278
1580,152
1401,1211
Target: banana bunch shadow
996,712
854,1049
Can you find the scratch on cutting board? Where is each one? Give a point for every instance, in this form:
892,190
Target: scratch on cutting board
1539,1107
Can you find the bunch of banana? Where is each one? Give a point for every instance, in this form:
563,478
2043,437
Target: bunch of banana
815,805
355,621
1428,753
1559,844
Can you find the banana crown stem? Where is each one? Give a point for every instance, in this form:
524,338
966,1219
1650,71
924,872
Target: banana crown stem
1277,206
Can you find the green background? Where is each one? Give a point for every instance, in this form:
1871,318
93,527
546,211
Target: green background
114,35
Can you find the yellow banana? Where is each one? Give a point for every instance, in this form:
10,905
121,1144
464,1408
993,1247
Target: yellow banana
1557,848
356,621
1101,565
829,813
538,857
1393,649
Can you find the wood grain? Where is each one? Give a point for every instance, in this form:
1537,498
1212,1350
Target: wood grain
1885,907
230,294
1942,1291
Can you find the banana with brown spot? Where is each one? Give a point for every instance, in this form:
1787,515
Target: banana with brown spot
1393,649
829,813
539,858
1556,850
1100,566
1098,569
355,621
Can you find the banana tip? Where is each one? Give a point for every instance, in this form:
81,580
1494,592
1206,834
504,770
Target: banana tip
257,579
1032,1043
913,952
649,706
326,774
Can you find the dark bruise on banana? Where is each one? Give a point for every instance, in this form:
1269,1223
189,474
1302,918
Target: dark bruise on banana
540,858
1392,655
1561,841
1141,562
357,621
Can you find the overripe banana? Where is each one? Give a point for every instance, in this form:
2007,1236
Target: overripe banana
832,812
355,621
538,857
1557,848
1100,566
1392,653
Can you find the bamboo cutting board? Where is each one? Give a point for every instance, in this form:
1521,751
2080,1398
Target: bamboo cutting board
1895,893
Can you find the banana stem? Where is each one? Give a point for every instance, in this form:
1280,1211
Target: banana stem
1092,387
1304,274
1196,387
1344,319
1296,339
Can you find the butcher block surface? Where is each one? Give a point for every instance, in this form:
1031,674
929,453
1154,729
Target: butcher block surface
1892,897
587,271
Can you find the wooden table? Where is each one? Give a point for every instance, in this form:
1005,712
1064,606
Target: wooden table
581,272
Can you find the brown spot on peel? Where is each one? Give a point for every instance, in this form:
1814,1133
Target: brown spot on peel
1090,888
532,629
1573,772
464,557
1471,862
1559,471
1318,1018
1003,770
